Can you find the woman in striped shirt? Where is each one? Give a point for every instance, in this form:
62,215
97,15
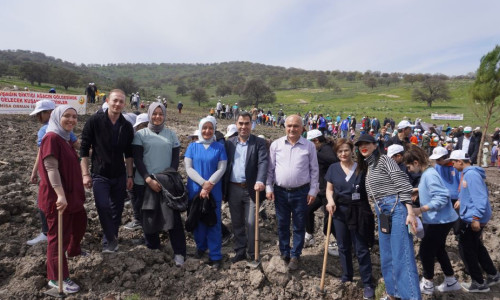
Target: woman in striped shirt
390,189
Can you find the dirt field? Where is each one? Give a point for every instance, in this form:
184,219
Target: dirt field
136,272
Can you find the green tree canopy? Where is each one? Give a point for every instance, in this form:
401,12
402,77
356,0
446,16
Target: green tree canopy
256,92
432,89
126,84
65,77
199,95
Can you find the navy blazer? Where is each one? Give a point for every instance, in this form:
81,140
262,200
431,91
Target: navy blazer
255,167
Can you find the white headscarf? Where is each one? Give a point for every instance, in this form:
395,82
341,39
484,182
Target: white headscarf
55,121
200,126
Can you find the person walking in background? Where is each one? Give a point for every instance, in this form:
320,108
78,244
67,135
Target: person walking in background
110,136
352,216
61,190
180,106
344,128
469,144
292,182
245,175
157,148
391,191
438,217
475,213
206,162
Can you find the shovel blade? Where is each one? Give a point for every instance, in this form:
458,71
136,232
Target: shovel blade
54,293
253,264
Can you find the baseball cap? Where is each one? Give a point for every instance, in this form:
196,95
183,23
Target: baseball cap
43,105
194,134
231,129
438,152
312,134
459,155
467,129
142,118
477,128
404,124
366,138
394,149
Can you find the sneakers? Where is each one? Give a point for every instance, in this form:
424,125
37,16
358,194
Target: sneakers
474,287
368,292
227,238
133,225
293,264
491,280
38,239
199,254
309,240
179,260
69,287
333,249
426,286
449,285
238,257
111,247
216,264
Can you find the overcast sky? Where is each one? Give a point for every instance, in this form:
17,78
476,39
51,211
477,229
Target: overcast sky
421,36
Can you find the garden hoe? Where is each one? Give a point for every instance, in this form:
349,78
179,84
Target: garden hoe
256,263
58,292
321,287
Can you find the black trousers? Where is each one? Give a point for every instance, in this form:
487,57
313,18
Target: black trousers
433,246
473,253
320,201
176,234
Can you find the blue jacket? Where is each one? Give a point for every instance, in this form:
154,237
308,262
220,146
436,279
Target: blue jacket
473,196
433,193
451,179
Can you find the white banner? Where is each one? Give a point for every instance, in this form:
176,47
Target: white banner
447,116
21,102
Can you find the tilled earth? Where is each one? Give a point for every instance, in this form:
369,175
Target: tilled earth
136,272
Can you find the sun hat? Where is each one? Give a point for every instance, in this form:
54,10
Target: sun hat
468,129
394,149
130,117
43,105
194,134
142,118
404,124
231,129
438,152
312,134
459,155
365,138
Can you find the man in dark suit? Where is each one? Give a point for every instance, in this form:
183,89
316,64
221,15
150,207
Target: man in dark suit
469,144
246,173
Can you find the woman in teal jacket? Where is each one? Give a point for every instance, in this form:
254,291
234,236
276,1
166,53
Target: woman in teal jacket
438,217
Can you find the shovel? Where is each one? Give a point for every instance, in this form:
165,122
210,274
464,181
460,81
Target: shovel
58,292
321,287
256,263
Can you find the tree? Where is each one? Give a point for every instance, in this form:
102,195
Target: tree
256,91
4,68
223,90
371,82
485,91
34,72
433,89
322,80
199,95
65,77
275,82
181,90
295,82
126,84
411,78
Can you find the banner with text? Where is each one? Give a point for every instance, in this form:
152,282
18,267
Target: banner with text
21,102
447,116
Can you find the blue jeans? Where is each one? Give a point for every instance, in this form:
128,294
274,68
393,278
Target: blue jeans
109,195
397,256
292,204
210,238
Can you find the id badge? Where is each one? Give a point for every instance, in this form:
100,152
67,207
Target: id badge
356,196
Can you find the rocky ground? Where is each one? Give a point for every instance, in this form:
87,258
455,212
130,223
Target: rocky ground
136,272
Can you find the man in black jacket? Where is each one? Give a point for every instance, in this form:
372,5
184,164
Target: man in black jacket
246,174
110,136
469,144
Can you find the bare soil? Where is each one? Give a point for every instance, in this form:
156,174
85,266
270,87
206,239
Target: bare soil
136,272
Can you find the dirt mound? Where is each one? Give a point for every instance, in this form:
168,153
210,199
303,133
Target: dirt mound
136,272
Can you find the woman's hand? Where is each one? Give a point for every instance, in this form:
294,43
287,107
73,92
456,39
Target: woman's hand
207,185
153,184
330,207
61,203
457,205
411,220
34,177
204,194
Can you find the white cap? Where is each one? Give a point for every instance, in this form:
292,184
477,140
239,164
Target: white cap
262,136
312,134
459,155
477,128
495,142
467,129
142,118
231,129
105,106
43,105
438,152
130,117
194,134
404,124
394,149
486,144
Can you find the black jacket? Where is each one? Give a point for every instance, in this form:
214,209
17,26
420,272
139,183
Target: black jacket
97,134
473,148
326,157
201,209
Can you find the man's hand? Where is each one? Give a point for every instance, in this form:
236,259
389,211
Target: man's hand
457,205
259,187
130,184
87,181
270,196
310,199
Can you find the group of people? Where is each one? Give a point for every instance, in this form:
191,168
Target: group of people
343,177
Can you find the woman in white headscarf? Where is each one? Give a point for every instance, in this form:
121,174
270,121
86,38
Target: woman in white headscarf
205,162
61,189
157,148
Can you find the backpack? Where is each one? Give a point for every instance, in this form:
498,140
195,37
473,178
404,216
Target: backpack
173,189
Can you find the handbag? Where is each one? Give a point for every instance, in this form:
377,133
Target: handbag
385,219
